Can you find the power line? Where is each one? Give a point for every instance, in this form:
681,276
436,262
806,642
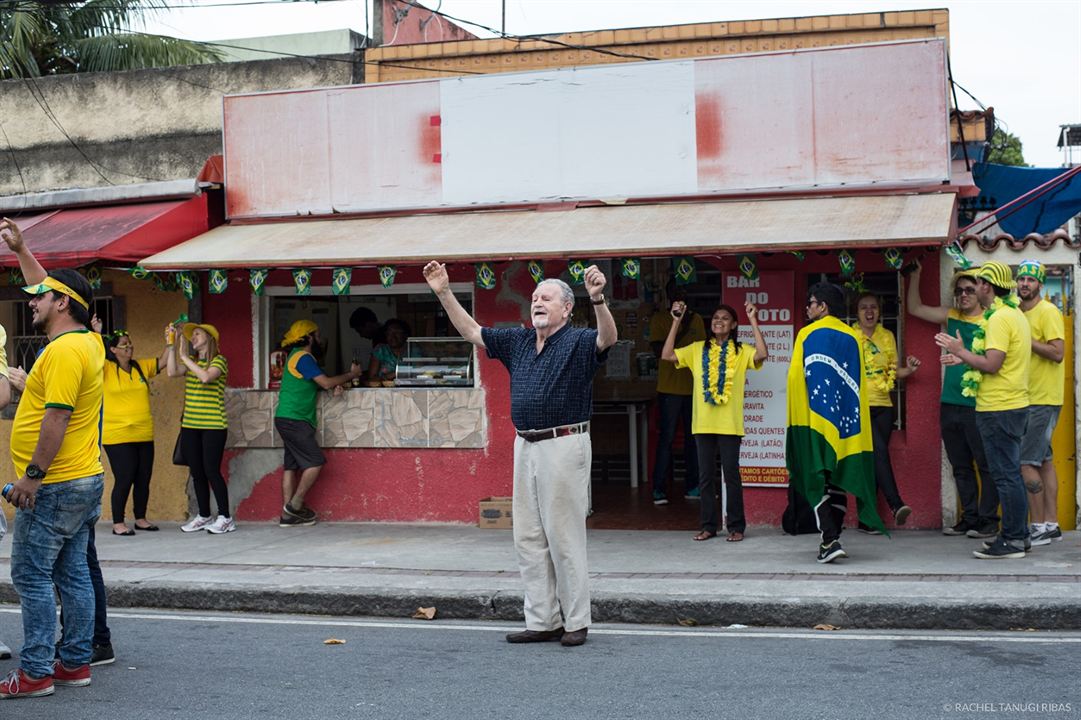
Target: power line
14,160
18,4
536,38
44,105
324,58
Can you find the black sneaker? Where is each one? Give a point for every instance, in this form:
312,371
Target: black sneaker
305,513
868,530
102,655
829,553
1027,544
1000,550
1054,533
961,528
293,521
989,530
900,515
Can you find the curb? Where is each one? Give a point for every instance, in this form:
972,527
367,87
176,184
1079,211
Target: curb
886,613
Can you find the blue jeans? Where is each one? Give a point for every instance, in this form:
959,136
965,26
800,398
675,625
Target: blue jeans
673,409
49,550
1001,432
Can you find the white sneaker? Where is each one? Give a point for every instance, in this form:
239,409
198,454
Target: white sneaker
196,523
221,525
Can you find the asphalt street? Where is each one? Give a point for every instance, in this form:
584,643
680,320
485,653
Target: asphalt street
185,664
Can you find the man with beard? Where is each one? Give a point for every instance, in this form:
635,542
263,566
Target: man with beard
56,450
1046,385
551,400
957,409
295,417
999,358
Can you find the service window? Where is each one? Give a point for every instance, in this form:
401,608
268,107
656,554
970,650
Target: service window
346,325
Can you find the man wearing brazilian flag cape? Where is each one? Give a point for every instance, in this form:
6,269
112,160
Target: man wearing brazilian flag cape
828,446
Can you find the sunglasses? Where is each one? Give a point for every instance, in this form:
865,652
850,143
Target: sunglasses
967,290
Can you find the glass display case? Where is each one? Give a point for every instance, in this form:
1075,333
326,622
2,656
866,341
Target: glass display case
438,361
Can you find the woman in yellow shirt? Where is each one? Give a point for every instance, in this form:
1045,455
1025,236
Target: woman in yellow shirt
719,368
128,427
203,425
882,370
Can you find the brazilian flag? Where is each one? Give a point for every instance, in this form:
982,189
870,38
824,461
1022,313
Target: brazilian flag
829,422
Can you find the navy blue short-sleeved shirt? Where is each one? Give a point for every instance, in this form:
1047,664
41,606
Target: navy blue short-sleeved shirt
555,387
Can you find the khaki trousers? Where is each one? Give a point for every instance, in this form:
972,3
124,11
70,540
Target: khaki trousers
551,498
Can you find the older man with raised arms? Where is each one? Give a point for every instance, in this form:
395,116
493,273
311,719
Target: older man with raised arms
551,378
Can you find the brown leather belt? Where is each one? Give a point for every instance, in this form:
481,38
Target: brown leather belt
561,431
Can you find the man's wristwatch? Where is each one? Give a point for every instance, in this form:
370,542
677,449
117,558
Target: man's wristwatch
34,472
598,301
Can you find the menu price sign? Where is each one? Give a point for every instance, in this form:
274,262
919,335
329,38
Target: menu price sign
762,456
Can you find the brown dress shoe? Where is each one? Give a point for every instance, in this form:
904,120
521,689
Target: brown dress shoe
573,638
530,636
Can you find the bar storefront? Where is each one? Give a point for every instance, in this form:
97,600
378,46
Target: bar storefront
336,198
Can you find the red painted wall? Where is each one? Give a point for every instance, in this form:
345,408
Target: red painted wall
407,23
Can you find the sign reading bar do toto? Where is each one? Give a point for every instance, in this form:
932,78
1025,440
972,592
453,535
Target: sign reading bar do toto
761,456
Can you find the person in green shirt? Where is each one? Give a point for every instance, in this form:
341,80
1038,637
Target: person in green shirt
957,409
295,418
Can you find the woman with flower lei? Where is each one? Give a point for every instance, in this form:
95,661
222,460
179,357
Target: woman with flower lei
719,367
881,372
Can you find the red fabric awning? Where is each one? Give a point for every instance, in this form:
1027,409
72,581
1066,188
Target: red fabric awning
115,234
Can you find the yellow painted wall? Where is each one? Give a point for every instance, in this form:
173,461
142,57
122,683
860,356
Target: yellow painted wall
148,310
1063,443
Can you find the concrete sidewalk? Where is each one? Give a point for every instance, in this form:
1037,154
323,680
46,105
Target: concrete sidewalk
912,580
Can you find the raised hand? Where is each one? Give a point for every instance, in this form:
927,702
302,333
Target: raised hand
751,310
595,281
11,235
436,275
678,308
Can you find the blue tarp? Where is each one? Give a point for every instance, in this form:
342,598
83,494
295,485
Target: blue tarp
999,184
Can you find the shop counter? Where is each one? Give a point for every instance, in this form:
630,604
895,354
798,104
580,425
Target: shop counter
369,418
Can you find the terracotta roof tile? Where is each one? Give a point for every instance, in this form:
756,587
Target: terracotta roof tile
1043,242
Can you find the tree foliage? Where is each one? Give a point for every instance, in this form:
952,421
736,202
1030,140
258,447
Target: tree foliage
1006,149
38,38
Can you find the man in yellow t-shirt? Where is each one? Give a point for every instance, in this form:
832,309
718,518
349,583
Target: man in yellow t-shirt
1002,358
1046,386
674,387
56,450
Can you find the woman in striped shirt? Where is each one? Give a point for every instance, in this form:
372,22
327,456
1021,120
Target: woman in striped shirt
203,425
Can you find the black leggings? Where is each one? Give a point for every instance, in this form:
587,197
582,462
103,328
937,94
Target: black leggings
709,446
881,427
132,465
203,451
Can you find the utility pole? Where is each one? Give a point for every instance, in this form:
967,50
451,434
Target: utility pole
504,30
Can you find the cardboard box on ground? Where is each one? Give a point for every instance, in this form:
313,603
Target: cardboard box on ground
495,513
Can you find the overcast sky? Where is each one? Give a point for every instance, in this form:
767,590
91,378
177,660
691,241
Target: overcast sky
1022,58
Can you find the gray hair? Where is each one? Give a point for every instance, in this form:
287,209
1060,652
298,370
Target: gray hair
564,289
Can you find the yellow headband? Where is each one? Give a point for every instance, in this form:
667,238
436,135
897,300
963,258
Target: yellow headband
51,283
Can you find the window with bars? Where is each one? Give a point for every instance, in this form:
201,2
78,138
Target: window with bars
24,344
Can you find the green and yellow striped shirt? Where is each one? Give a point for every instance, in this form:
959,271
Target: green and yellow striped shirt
204,403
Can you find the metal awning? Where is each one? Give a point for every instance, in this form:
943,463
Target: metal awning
611,231
114,234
